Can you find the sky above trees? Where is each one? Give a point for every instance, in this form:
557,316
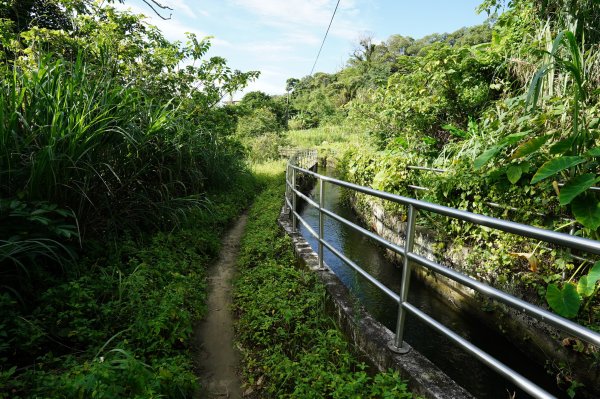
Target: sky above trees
281,38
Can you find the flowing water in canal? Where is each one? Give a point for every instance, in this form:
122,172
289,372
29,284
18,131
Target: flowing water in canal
468,372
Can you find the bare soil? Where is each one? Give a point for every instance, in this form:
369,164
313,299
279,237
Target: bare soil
217,358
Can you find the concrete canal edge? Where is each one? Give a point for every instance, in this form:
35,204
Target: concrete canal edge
370,337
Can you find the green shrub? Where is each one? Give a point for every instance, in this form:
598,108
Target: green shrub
258,122
265,147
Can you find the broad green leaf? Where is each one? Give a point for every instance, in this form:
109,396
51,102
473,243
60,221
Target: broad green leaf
554,166
565,302
585,287
576,186
530,146
513,138
486,156
562,146
514,174
586,210
455,131
594,273
594,152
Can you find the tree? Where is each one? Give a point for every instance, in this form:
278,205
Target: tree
398,44
258,122
291,84
258,100
50,14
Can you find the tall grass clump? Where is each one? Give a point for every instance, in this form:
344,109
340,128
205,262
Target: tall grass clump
108,156
78,138
323,135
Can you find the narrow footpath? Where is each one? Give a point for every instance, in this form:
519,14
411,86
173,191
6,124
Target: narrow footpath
218,359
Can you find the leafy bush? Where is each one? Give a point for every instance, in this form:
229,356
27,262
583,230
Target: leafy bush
444,86
258,122
265,147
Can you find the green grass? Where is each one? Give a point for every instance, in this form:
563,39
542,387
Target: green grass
324,136
121,327
291,348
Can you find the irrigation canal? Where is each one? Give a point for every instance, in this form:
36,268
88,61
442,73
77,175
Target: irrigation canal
468,372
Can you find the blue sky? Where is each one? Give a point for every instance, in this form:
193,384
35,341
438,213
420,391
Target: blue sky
281,38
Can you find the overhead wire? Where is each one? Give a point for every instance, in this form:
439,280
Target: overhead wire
324,38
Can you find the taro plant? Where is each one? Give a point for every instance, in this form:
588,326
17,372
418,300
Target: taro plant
575,154
568,157
567,301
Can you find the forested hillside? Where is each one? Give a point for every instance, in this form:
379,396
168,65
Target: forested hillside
509,110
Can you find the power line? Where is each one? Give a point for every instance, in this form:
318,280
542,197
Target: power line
324,38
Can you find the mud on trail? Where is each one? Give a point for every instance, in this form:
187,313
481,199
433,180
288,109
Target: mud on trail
217,357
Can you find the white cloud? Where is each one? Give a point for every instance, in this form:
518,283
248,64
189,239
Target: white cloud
302,38
296,17
269,86
266,48
285,12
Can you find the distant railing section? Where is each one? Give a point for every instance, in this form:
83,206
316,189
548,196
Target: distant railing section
296,166
288,152
305,159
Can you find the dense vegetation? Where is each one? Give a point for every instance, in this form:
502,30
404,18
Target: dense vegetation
116,165
510,111
291,347
117,159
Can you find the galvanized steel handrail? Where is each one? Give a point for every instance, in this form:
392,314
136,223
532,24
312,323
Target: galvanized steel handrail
438,170
550,236
302,161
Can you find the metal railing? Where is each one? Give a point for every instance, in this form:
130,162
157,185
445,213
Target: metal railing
437,170
305,159
574,224
404,307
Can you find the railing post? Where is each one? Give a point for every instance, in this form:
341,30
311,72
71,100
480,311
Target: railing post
321,222
294,221
405,284
287,188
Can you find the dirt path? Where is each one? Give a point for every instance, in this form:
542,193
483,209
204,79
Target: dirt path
218,359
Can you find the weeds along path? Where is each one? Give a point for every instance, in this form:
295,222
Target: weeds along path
218,360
